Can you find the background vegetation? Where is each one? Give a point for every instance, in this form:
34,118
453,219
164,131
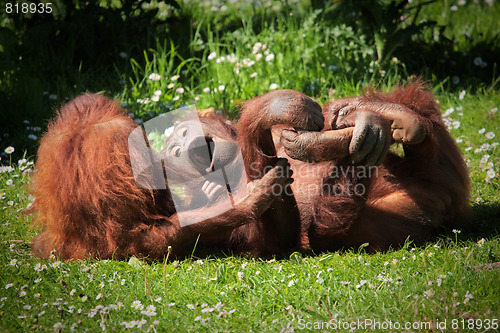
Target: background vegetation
158,55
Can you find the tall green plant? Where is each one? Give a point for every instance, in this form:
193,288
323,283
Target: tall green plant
390,24
159,81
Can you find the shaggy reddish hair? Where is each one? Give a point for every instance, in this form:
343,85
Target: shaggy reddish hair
88,202
71,168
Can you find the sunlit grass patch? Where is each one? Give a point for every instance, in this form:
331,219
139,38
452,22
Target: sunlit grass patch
450,278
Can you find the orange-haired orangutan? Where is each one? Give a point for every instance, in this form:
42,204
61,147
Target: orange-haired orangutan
348,189
351,190
89,204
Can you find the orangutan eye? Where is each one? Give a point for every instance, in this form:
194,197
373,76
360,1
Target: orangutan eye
183,132
175,152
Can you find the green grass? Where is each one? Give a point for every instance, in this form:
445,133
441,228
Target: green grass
426,284
418,285
450,278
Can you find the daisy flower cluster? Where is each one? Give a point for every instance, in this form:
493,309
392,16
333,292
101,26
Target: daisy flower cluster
14,177
149,310
207,313
37,302
257,64
486,148
451,123
489,167
166,86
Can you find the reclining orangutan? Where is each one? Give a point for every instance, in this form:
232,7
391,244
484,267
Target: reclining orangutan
349,188
89,203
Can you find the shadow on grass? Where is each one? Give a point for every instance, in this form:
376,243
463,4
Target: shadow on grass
486,224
